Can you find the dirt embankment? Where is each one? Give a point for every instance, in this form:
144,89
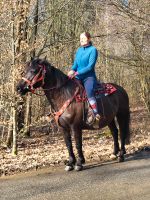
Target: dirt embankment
43,150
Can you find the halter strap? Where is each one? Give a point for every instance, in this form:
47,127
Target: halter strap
36,78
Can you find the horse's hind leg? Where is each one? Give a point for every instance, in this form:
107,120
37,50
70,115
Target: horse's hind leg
72,160
78,139
114,131
123,126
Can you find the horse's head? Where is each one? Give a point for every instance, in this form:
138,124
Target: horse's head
33,77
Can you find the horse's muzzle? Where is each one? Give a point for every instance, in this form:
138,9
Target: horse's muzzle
22,91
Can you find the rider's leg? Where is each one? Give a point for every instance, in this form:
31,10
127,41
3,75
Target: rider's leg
89,84
93,104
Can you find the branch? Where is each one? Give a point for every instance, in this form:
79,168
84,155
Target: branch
129,12
50,26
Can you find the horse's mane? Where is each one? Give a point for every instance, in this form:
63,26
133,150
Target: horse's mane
61,79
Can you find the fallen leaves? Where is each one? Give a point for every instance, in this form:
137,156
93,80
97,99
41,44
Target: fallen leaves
42,150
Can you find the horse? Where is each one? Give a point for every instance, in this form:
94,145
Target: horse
70,115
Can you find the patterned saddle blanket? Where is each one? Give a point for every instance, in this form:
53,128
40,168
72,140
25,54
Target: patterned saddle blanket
105,89
102,89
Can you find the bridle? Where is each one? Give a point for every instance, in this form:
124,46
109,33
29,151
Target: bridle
37,78
40,76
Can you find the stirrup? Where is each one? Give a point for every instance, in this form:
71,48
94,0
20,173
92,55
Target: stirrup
98,117
91,120
96,121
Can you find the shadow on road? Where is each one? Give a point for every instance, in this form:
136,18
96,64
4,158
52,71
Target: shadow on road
138,155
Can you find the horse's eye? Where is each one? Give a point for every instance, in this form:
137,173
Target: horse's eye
33,71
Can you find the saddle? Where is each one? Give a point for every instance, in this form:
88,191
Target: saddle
102,89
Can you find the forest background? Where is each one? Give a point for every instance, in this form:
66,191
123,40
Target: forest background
120,30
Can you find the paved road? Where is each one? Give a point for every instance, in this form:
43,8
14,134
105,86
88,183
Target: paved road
108,181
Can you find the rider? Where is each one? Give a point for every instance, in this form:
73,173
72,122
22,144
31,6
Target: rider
84,69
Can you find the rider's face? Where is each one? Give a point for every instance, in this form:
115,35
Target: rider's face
84,40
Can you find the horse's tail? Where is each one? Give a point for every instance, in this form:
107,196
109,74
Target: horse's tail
123,115
124,125
127,128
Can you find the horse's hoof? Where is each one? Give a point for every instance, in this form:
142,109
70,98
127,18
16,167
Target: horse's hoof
120,159
113,157
69,168
78,167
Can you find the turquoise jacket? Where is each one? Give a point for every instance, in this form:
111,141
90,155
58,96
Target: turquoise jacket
85,60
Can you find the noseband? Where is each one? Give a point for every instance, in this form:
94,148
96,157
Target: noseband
37,78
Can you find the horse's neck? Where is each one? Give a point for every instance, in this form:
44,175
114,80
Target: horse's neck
54,78
55,91
55,98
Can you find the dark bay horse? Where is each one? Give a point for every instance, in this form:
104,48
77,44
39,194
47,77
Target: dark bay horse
59,89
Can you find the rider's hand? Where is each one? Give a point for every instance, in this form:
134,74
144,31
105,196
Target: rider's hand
72,74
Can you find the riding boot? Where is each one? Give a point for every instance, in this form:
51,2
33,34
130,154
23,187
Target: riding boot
97,117
96,121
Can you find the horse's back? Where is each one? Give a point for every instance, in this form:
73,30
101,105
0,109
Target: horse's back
116,102
122,97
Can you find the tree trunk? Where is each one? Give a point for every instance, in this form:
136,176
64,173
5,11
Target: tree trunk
10,134
27,120
27,116
14,146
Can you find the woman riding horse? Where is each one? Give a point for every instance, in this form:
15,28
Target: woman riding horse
84,70
61,93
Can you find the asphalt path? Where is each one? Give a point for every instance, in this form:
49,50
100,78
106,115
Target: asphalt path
98,181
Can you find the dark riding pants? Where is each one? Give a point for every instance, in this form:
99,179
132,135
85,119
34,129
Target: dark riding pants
89,84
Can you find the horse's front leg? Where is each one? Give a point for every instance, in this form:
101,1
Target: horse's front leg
72,160
78,139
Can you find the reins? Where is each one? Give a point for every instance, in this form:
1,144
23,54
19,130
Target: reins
48,89
37,79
